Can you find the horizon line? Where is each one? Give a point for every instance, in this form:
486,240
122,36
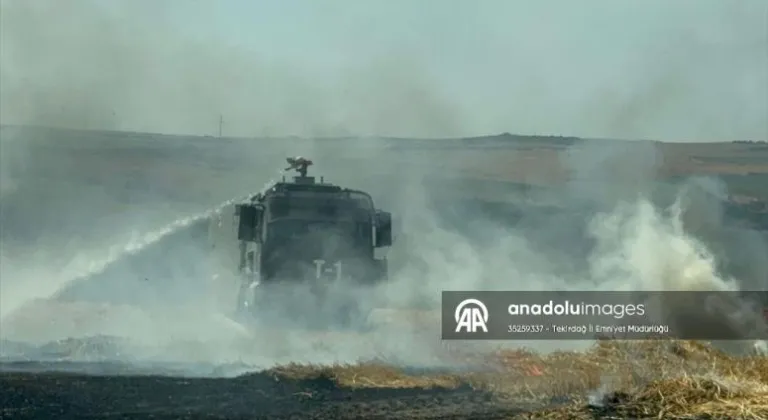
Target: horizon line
350,136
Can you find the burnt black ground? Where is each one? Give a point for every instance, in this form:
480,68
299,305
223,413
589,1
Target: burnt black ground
27,395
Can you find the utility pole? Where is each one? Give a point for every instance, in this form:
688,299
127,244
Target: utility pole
221,123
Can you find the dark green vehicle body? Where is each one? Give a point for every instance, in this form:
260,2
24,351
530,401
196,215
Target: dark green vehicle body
302,232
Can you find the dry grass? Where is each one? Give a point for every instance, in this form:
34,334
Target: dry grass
640,379
368,375
653,379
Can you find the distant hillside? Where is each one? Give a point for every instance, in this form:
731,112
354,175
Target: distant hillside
519,158
490,138
498,140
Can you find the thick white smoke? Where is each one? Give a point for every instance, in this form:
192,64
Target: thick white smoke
110,71
627,242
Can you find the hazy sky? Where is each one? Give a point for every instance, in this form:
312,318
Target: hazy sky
675,70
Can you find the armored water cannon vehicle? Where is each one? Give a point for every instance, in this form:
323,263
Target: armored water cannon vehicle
305,231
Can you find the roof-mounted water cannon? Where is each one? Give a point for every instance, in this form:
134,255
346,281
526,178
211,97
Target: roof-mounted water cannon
300,165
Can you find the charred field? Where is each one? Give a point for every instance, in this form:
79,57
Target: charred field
682,380
71,187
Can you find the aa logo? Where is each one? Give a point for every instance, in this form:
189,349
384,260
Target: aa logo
470,315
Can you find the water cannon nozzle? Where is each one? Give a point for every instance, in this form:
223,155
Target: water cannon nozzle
299,164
